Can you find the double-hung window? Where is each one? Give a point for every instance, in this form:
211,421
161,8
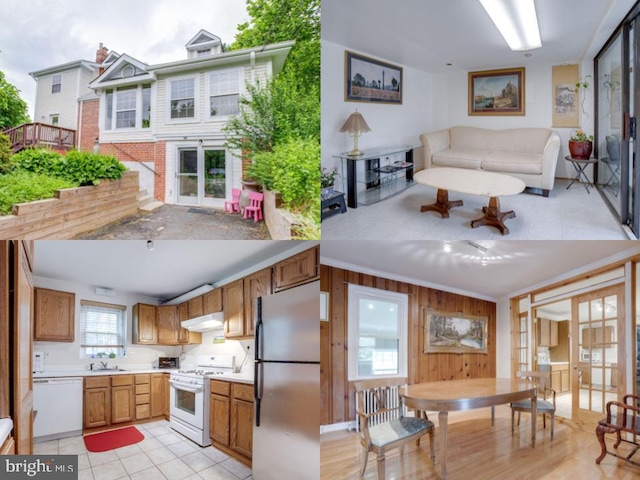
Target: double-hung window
377,326
126,108
103,328
183,98
56,83
224,93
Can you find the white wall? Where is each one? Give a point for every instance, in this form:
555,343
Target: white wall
229,347
66,356
391,125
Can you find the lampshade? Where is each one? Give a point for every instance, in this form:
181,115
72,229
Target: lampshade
355,125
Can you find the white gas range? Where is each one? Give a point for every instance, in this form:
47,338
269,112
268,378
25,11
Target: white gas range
189,396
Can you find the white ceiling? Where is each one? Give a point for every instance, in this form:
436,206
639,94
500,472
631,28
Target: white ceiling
513,265
428,34
171,269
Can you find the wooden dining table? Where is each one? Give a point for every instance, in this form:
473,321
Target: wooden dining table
451,395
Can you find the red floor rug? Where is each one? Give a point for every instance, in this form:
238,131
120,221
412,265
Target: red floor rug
101,442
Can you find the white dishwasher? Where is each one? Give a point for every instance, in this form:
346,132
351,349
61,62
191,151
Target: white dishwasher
58,403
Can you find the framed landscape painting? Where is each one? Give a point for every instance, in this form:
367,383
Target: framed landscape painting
446,332
369,80
497,92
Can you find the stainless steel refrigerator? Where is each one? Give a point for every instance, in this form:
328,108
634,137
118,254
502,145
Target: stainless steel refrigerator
286,429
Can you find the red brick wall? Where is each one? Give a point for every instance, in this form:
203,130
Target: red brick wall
142,152
88,124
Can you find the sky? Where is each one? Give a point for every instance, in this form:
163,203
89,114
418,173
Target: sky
38,34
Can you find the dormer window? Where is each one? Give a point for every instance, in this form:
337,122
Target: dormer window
203,53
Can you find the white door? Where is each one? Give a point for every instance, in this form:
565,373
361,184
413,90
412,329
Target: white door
203,176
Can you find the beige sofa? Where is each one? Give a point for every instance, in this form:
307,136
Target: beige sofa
529,154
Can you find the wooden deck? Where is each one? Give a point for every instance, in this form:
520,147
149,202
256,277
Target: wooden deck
30,135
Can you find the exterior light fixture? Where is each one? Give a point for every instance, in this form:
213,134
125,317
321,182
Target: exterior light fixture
517,22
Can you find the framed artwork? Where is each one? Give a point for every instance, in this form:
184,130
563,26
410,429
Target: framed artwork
446,332
565,99
497,92
369,80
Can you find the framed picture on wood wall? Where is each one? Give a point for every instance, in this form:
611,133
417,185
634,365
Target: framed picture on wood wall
497,92
369,80
447,332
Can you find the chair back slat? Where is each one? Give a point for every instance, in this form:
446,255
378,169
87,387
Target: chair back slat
378,401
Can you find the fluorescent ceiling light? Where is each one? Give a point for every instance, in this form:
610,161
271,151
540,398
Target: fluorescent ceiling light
517,22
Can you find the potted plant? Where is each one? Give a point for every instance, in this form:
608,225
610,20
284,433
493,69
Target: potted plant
327,181
580,145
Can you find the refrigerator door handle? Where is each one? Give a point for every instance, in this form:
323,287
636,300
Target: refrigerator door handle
257,383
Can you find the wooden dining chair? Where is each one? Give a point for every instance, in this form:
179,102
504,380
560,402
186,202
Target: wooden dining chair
544,406
383,421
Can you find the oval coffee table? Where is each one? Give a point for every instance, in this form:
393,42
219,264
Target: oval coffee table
472,182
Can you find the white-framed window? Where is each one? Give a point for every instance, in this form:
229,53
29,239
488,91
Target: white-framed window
203,53
126,107
377,328
224,92
102,330
54,119
56,83
182,99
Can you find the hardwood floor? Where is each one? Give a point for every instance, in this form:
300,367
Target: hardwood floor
477,451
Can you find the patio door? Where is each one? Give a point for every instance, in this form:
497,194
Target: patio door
203,176
597,352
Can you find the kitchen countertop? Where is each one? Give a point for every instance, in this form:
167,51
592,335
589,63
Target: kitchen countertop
244,377
6,425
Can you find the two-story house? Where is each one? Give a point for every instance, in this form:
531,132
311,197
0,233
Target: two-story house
166,120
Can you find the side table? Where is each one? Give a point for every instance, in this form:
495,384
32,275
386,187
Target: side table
332,204
579,165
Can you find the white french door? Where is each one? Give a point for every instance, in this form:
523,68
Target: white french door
203,176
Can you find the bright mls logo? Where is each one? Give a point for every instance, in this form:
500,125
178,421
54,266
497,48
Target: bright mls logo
45,467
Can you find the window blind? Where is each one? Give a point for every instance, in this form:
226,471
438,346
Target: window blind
103,326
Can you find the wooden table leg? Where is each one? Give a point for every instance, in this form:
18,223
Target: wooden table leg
442,205
442,421
494,217
534,416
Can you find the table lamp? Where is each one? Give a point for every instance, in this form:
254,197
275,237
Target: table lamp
356,125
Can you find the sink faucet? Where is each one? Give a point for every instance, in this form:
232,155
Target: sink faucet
104,365
91,366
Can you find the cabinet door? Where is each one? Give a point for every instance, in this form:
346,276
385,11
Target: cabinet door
255,285
97,407
556,381
212,301
564,380
233,301
241,426
144,324
299,269
219,419
54,315
194,307
553,334
122,404
157,394
167,325
545,333
185,336
166,391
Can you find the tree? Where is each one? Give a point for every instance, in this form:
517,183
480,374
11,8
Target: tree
13,109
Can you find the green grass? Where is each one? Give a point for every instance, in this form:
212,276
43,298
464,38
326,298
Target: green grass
21,186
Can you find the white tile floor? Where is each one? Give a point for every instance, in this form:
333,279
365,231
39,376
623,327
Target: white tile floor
163,454
571,214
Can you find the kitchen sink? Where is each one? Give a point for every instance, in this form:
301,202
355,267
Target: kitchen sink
97,370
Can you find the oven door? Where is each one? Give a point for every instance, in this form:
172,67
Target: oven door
187,403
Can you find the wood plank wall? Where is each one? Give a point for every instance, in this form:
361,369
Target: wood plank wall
337,393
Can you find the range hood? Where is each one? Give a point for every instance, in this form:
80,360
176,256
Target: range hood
211,321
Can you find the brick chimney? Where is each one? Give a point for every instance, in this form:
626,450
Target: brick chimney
101,53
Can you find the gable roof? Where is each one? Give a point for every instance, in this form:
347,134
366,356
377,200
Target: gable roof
203,39
83,64
112,57
126,70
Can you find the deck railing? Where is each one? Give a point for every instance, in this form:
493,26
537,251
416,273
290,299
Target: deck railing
41,135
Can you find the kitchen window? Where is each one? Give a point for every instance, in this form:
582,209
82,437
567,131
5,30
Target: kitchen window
102,328
182,101
377,333
224,93
56,83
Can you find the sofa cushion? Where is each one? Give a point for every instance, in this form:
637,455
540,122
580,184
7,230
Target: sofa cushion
527,140
460,158
513,162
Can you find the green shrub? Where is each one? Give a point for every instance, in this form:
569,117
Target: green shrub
39,160
6,161
291,169
89,168
21,186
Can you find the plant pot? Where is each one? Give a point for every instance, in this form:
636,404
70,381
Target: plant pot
248,186
326,192
580,150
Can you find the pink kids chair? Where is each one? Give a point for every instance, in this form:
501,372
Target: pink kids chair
234,204
255,207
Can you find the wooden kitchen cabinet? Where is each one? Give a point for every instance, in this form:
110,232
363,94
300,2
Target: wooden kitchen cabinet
219,419
294,271
168,324
212,301
158,396
597,336
122,399
255,285
184,335
144,324
97,402
54,316
195,307
166,392
559,376
547,333
231,418
233,301
143,396
241,435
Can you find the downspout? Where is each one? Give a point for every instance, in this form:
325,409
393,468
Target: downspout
252,64
79,127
